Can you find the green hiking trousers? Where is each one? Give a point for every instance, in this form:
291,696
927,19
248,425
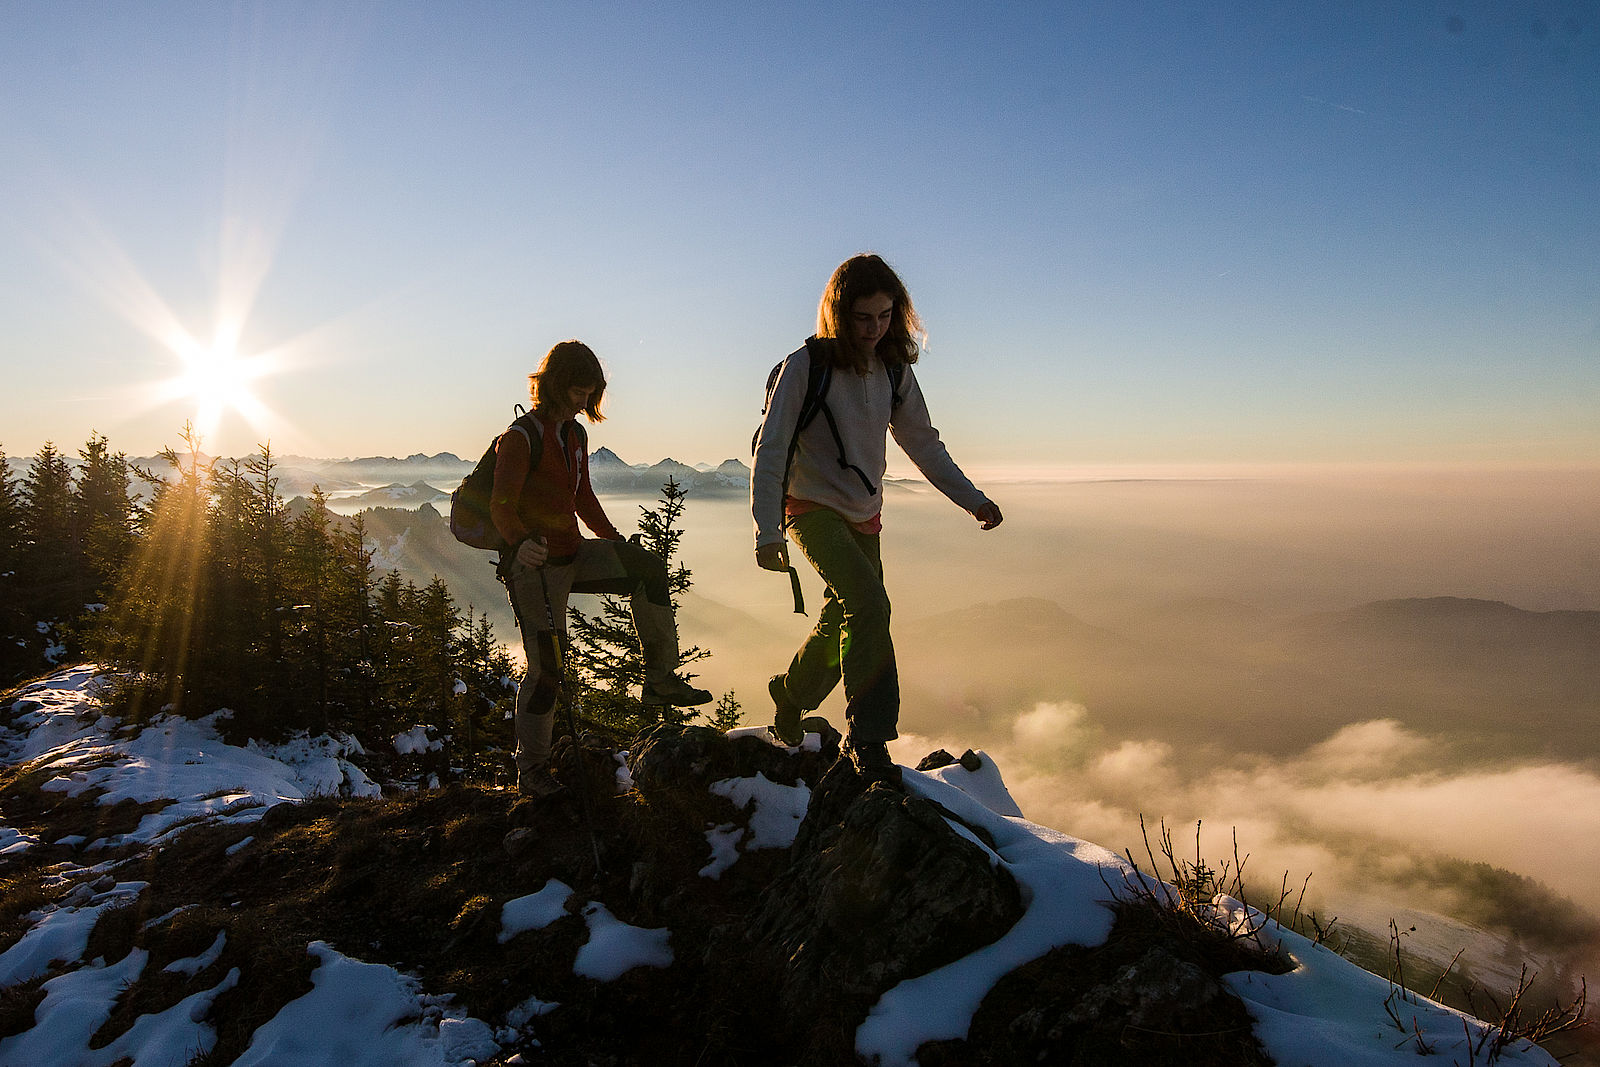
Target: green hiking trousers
851,639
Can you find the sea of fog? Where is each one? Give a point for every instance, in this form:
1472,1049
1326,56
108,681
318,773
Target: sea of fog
1193,650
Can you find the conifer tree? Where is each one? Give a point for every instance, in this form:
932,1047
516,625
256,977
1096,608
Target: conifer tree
391,595
485,668
10,515
16,659
241,552
236,610
309,581
48,587
102,518
355,591
433,651
269,529
389,640
330,638
158,619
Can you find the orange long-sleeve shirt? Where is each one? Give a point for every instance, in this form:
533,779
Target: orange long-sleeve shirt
547,501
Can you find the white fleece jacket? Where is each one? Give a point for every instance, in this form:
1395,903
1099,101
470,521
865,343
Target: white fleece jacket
861,408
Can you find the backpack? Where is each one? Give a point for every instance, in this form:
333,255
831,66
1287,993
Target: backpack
469,504
818,378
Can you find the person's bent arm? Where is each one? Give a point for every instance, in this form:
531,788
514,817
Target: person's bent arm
589,509
772,452
511,458
914,431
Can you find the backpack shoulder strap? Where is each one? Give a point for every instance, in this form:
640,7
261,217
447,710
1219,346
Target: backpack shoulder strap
772,383
819,376
817,383
527,424
572,431
897,374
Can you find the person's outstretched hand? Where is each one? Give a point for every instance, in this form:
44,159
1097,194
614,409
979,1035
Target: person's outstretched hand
773,557
989,516
532,552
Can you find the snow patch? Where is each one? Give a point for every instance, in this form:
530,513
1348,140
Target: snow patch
193,965
415,741
615,948
60,933
534,911
724,842
367,1015
778,809
13,842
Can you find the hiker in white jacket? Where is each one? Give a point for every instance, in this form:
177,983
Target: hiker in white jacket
819,465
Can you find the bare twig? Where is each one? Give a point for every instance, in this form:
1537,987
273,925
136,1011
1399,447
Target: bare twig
1472,1053
1554,1020
1433,994
1322,932
1423,1048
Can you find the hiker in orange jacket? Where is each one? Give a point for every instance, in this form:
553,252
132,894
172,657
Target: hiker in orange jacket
536,508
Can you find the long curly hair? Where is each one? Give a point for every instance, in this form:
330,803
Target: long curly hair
861,276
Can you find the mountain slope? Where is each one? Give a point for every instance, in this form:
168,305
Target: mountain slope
717,876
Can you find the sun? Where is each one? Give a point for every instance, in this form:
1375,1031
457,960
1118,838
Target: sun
217,379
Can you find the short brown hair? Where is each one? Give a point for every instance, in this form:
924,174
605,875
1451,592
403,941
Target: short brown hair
861,276
568,364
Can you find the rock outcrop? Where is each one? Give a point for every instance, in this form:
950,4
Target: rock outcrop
879,888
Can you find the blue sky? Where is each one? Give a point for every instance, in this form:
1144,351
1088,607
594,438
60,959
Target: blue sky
1138,232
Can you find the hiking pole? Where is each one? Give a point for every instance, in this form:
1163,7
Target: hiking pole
571,698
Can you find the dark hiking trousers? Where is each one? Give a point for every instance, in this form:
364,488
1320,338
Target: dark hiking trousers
851,638
616,567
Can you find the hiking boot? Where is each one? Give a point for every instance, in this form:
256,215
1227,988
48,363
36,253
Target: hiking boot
786,718
871,761
538,784
674,692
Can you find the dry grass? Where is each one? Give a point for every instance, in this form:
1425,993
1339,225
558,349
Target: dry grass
1182,908
1185,903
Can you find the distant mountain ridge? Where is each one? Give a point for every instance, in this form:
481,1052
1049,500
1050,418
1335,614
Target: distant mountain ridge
399,496
611,474
416,466
382,481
